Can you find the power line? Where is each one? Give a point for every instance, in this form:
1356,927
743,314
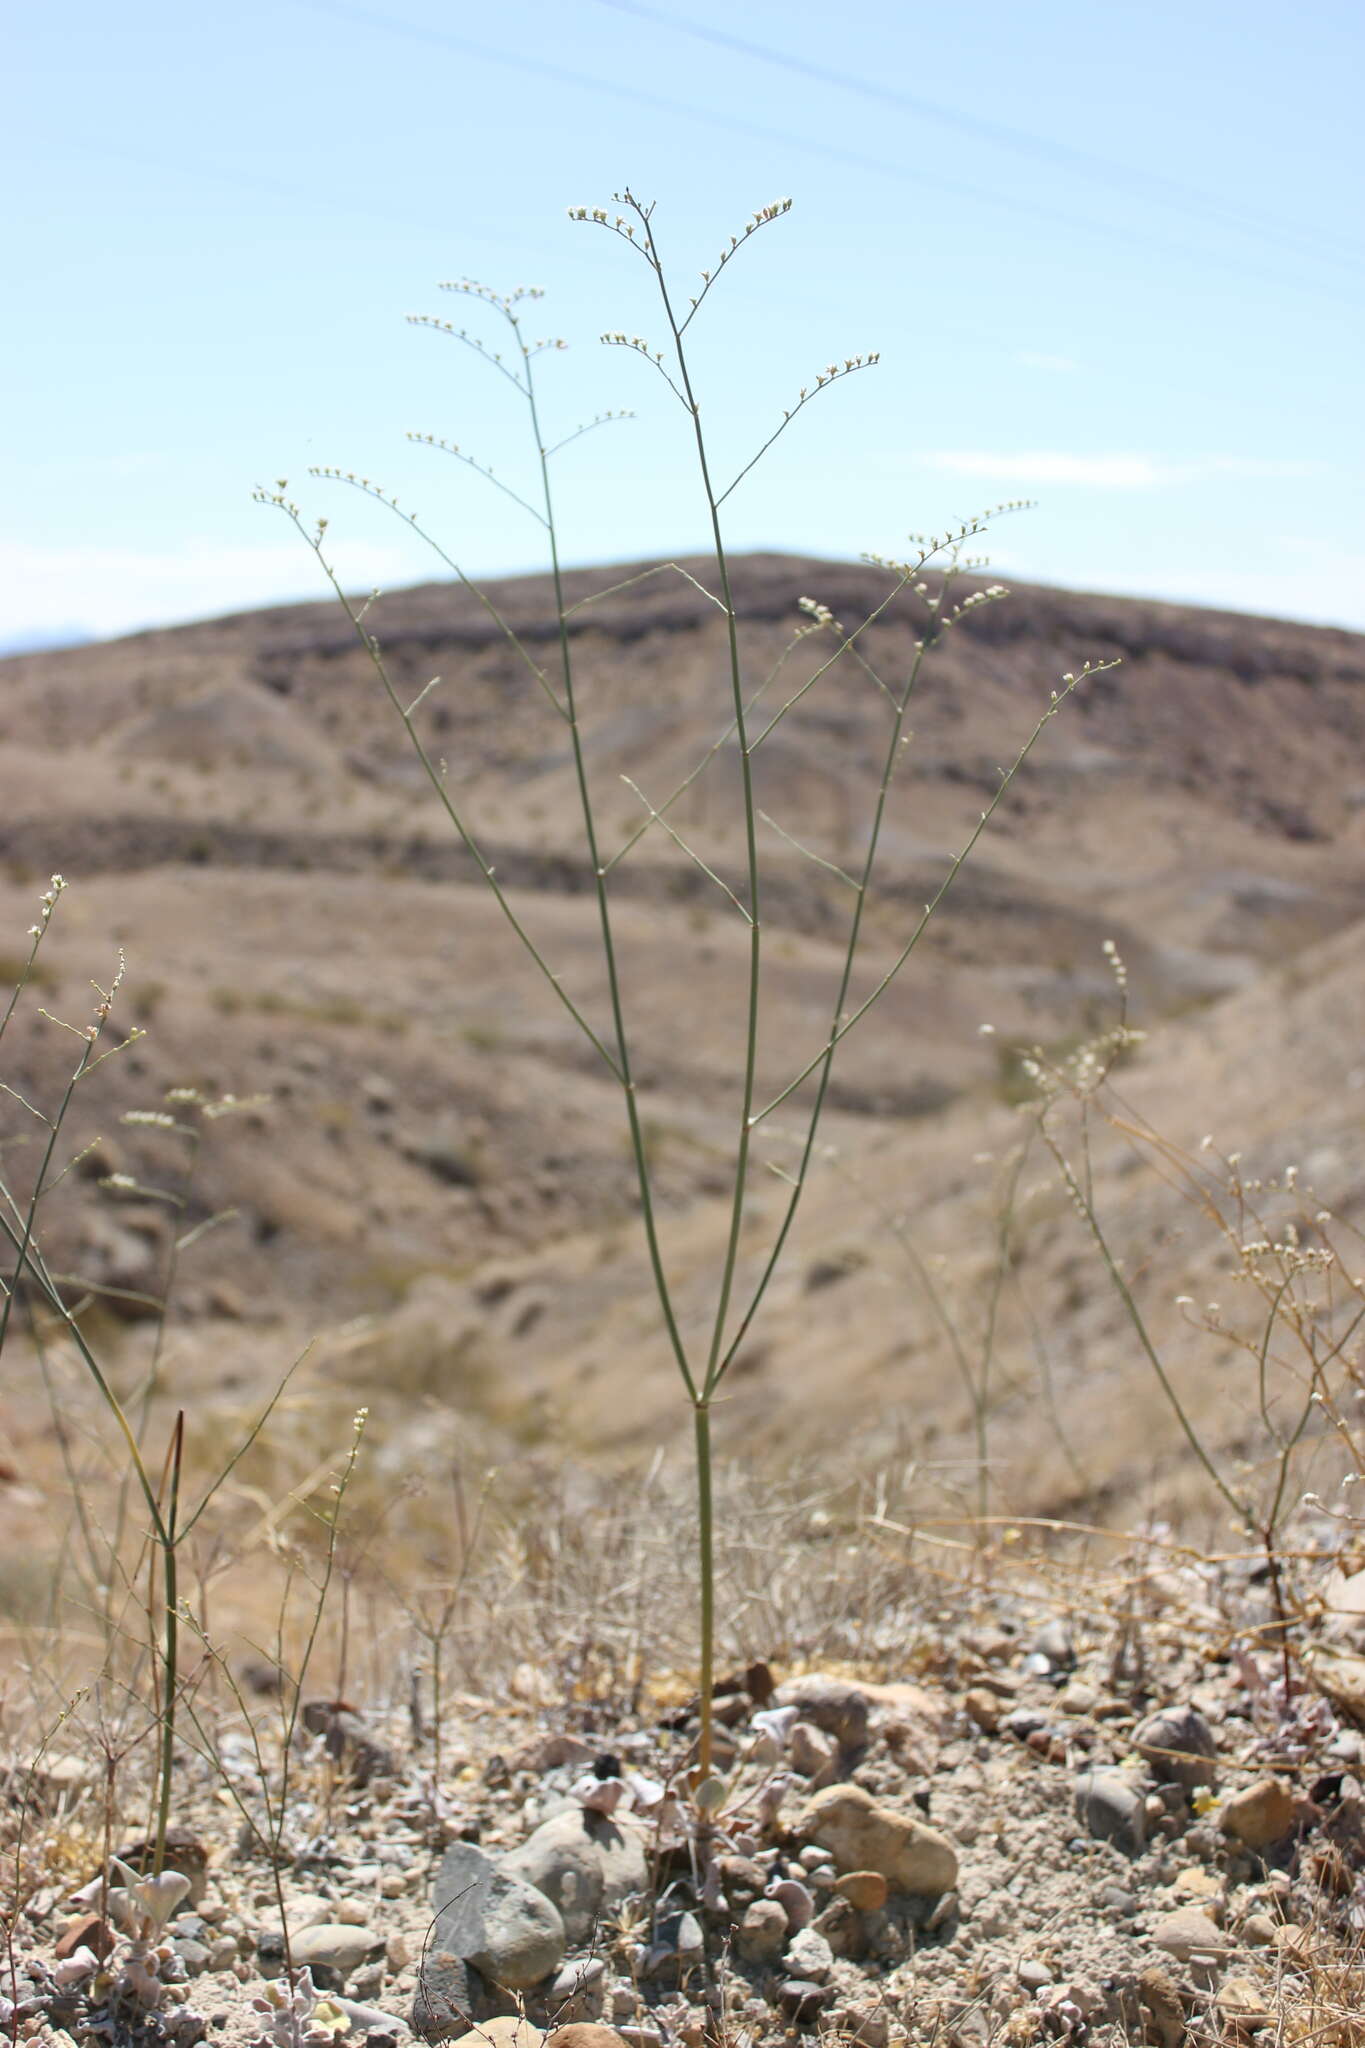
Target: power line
561,74
1043,147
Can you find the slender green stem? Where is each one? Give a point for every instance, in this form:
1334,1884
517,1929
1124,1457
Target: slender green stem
170,1645
624,1073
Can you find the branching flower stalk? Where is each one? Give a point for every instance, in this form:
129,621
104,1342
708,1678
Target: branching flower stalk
701,1368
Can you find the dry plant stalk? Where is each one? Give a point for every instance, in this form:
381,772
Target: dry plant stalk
930,575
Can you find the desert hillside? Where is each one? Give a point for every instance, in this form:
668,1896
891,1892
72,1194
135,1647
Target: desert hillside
432,1174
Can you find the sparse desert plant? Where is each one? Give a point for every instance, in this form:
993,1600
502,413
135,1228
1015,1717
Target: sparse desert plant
171,1509
736,857
1294,1315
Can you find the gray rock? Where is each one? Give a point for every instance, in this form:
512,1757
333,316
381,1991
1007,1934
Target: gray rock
586,1864
577,1994
1109,1808
444,2003
193,1954
762,1932
491,1917
1179,1745
810,1956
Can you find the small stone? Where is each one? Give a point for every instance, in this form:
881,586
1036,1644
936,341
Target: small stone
865,1889
809,1956
984,1708
641,2035
1033,1975
89,1931
802,2002
795,1900
1077,1698
550,1753
506,2030
844,1928
1295,1945
811,1751
1241,2002
1258,1930
812,1856
1188,1933
860,1835
583,2034
393,1884
193,1954
743,1879
1021,1722
1259,1815
689,1940
336,1945
1053,1642
865,2026
762,1932
1179,1745
223,1952
1109,1808
841,1709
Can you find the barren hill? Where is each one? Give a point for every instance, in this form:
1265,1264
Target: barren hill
440,1154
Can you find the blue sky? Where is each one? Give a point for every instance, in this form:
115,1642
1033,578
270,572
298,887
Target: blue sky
1110,257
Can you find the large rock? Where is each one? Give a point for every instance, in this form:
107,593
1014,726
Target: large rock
860,1835
491,1917
586,1864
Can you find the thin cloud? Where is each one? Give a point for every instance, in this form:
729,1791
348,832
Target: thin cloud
1032,360
1106,472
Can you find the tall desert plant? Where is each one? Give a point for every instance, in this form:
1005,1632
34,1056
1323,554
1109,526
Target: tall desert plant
749,710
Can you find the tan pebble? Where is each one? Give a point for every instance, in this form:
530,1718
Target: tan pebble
1295,1944
392,1884
397,1953
1156,1989
1261,1814
860,1835
1258,1930
983,1707
506,2030
1241,2002
865,1889
584,2034
1188,1932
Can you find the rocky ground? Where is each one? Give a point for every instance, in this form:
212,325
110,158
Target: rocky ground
1107,1823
